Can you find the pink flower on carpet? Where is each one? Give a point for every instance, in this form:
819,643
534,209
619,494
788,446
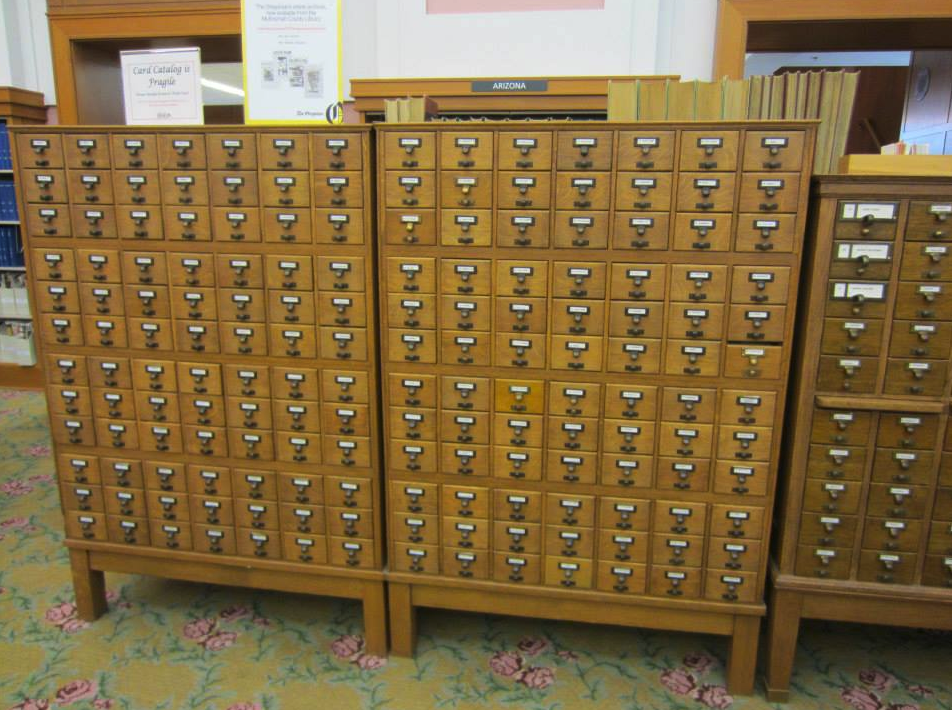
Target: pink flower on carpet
713,696
507,664
102,703
116,600
532,646
34,704
920,690
678,680
235,612
11,394
861,699
261,621
198,629
3,590
41,478
14,523
220,640
902,706
369,662
245,706
538,678
72,626
76,690
876,679
347,646
568,655
700,662
38,450
15,412
15,487
60,614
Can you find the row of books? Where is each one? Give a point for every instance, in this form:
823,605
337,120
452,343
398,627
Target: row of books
16,343
11,251
6,155
825,95
14,296
8,201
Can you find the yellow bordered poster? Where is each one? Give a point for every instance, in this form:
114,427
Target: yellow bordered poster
291,53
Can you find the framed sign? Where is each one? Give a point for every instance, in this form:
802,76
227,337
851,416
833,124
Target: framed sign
162,87
292,61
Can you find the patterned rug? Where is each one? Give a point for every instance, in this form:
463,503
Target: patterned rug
168,645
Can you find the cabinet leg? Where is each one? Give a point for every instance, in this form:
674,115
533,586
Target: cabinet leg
89,586
783,627
402,620
742,664
375,618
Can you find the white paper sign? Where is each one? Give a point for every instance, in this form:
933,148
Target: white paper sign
162,87
292,61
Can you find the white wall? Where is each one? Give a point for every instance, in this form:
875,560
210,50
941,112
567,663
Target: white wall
396,38
25,58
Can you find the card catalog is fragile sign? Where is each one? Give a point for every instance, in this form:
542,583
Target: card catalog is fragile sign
162,87
292,65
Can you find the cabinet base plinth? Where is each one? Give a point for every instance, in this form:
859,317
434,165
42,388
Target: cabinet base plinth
90,561
795,598
407,593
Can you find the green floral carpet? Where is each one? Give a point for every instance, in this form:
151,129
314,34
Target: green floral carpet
171,645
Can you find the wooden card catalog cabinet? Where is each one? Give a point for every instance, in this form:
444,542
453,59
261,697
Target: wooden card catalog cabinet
205,305
586,330
866,513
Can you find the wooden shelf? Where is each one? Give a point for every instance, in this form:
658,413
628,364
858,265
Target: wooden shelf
28,377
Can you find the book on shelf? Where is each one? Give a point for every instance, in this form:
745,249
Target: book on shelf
682,100
652,100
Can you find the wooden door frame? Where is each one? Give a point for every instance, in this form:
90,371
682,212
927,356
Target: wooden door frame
121,21
735,16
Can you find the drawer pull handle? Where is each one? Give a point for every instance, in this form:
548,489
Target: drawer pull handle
769,206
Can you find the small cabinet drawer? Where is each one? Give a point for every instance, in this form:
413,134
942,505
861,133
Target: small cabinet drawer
578,229
338,189
709,150
471,150
285,189
703,192
765,233
570,574
280,151
915,377
824,496
337,151
643,192
95,222
676,582
41,150
44,186
521,190
414,150
466,190
768,193
921,339
773,150
415,498
701,233
584,150
649,150
760,323
525,150
232,151
640,230
852,337
886,567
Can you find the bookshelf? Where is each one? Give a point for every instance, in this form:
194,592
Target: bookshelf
17,107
